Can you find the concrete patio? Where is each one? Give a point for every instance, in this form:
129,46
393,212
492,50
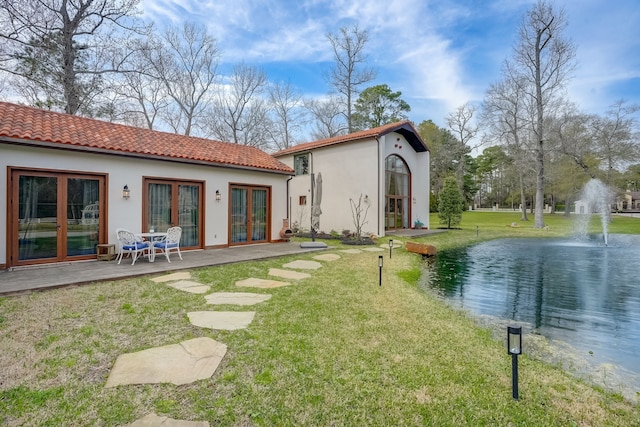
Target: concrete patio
32,278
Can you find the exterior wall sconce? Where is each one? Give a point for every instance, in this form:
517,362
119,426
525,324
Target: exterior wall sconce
218,196
125,192
514,348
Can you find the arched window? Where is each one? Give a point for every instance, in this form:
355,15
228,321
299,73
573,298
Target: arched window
398,192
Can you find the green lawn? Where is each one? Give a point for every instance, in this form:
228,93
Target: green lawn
335,349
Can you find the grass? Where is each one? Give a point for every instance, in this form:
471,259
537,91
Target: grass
335,349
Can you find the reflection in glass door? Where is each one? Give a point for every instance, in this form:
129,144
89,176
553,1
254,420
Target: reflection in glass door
37,218
174,203
57,216
249,220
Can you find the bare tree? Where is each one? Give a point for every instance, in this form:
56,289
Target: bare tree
328,118
186,62
507,113
286,108
240,114
462,126
349,72
61,50
545,61
616,137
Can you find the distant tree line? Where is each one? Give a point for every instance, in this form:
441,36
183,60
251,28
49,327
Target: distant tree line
98,59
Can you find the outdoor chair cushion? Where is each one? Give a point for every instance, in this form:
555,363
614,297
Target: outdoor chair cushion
136,246
165,245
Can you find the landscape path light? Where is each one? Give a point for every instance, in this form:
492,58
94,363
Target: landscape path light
390,247
514,348
380,258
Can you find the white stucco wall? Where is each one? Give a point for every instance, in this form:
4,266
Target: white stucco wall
348,170
353,168
130,171
418,164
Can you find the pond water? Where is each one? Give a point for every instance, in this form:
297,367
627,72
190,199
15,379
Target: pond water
579,292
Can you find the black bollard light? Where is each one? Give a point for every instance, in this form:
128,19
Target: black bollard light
514,348
390,247
380,257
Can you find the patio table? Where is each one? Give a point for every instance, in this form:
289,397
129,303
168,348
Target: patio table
151,237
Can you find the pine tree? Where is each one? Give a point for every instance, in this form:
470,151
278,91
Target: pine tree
450,203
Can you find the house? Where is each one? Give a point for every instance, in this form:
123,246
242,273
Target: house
68,183
382,173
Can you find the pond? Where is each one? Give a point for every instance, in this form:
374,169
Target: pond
578,292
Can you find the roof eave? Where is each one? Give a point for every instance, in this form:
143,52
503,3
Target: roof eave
105,151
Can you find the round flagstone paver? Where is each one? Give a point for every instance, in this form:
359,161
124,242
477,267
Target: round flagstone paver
182,363
236,298
182,275
351,251
153,420
288,274
303,265
373,249
327,257
190,286
227,320
253,282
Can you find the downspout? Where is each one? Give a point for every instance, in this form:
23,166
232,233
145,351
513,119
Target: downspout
379,197
313,232
289,199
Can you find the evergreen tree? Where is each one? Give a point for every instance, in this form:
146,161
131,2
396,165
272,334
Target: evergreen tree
450,203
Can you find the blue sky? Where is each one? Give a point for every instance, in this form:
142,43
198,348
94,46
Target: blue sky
438,53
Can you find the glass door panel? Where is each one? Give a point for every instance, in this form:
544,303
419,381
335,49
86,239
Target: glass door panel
159,207
189,214
259,215
83,216
239,210
37,217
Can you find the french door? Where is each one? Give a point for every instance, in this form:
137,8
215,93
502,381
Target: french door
250,214
396,215
174,203
55,216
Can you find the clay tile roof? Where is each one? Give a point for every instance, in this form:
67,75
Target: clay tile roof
405,128
26,125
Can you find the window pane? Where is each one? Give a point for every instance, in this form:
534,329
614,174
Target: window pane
159,214
37,217
83,216
259,215
238,215
188,208
301,164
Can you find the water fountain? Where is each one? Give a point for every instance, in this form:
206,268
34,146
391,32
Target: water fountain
596,197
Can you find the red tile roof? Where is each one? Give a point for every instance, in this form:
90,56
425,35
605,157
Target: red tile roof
32,126
405,128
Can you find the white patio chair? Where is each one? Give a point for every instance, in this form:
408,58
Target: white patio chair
170,243
129,243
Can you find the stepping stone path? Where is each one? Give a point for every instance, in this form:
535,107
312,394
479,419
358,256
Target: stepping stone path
191,287
252,282
153,420
327,257
303,265
183,275
351,251
373,249
236,298
182,363
225,320
288,274
198,358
